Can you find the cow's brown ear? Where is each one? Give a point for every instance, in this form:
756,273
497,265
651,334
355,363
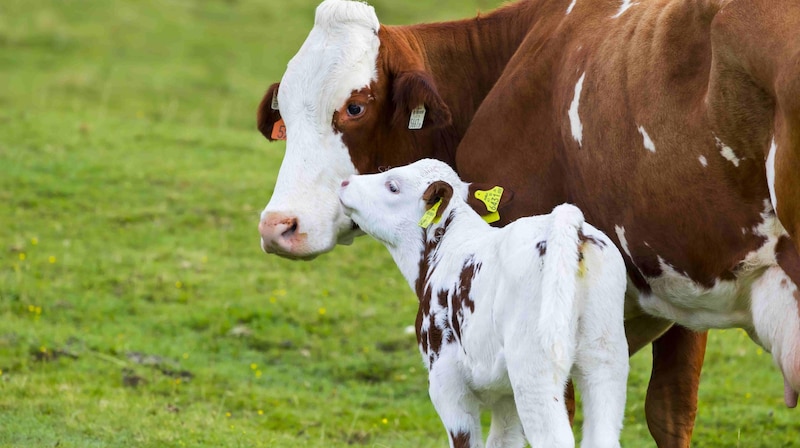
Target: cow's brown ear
415,88
436,191
269,119
486,197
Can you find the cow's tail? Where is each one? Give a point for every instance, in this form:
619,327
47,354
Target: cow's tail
559,280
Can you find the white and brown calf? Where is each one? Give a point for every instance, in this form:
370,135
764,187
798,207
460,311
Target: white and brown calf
506,315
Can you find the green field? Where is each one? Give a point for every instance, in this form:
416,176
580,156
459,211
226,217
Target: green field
136,308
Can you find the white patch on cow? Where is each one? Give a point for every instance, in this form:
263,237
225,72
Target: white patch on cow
744,231
727,152
571,5
703,161
624,7
338,56
678,298
773,148
648,142
574,117
622,241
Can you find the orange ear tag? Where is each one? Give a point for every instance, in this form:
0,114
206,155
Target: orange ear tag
279,130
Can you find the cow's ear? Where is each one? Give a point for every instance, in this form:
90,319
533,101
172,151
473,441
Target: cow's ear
269,119
483,197
436,191
415,88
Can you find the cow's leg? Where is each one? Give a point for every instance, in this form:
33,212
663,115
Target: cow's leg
506,429
671,403
455,403
538,383
777,325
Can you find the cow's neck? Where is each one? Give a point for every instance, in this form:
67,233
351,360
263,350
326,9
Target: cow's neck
466,57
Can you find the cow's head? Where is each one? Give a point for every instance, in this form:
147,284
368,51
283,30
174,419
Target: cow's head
346,101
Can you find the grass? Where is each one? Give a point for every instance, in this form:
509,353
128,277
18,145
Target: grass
136,308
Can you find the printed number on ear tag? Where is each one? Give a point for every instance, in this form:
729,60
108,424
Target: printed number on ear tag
417,117
279,130
430,216
490,197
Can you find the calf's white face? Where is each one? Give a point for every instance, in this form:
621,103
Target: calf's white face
389,205
303,218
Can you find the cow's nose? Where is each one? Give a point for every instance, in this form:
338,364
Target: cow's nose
278,232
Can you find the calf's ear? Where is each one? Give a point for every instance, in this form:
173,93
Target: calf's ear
487,194
436,191
269,119
415,88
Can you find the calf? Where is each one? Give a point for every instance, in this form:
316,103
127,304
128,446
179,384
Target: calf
505,314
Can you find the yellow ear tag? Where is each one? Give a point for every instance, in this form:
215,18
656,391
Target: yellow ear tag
492,200
491,217
430,216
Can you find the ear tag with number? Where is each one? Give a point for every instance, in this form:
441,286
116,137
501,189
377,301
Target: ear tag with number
417,117
491,198
275,101
430,216
279,130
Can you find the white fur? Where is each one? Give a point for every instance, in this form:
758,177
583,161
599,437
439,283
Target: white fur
622,241
703,161
571,5
773,148
623,7
648,142
574,118
537,319
727,152
338,56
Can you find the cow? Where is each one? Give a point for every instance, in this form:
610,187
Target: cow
505,314
673,125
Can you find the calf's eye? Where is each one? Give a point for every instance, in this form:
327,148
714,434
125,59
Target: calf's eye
355,110
392,186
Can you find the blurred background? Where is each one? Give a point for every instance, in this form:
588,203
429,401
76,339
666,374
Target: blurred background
136,308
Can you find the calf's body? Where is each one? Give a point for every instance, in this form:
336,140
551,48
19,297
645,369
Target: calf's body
506,315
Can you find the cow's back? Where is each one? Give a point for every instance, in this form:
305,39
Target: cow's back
609,113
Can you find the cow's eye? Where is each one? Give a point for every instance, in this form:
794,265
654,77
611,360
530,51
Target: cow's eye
392,186
355,110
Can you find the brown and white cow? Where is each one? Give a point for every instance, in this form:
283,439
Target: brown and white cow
672,123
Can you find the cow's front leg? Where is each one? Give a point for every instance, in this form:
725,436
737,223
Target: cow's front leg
671,403
456,404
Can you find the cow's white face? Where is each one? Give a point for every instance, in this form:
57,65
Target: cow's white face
304,217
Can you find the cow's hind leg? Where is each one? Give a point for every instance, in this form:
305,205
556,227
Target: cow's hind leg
671,403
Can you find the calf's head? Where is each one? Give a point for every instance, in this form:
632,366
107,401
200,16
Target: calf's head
351,88
389,206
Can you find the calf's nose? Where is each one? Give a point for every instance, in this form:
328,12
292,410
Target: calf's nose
278,232
345,183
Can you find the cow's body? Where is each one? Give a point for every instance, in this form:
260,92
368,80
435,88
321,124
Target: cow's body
505,314
674,125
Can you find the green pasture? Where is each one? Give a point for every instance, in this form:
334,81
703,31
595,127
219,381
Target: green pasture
136,308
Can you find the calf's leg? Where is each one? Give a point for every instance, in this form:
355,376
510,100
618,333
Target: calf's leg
506,429
538,383
456,405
